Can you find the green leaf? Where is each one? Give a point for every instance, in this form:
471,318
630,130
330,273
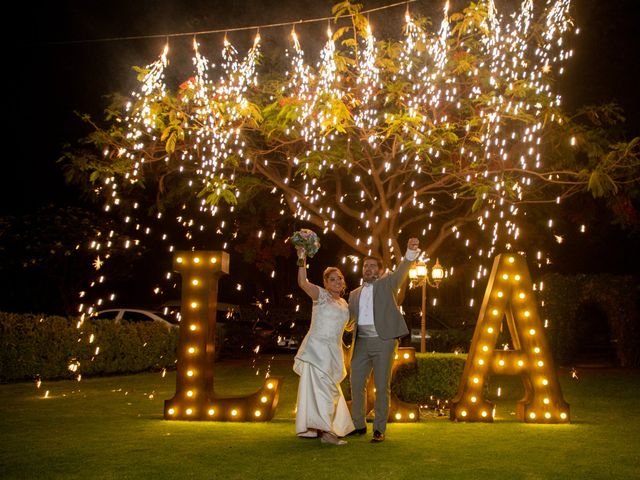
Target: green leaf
601,184
170,146
228,196
480,192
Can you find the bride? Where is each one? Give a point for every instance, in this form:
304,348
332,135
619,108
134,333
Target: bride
321,408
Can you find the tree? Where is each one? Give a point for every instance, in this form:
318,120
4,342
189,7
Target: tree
48,257
455,133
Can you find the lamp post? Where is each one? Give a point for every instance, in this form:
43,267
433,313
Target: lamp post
419,275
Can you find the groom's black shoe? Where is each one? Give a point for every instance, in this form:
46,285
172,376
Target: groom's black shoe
377,437
358,431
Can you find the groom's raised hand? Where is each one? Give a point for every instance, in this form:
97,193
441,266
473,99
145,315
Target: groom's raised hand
412,249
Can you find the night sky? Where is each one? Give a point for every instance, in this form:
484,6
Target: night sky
56,73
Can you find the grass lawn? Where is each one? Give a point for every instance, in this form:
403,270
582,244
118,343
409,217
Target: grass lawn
113,428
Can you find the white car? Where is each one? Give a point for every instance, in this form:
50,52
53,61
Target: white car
416,335
134,315
287,342
289,335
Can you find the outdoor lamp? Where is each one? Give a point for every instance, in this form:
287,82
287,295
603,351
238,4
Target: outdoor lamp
437,273
421,270
419,275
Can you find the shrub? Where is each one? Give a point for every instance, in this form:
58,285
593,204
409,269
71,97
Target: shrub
434,376
40,345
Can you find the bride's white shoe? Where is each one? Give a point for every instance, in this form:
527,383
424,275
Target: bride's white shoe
332,439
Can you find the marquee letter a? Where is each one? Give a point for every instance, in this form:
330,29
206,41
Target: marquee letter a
510,296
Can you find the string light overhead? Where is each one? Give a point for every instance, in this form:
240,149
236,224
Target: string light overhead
227,30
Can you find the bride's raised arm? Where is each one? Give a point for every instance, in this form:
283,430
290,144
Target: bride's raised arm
310,289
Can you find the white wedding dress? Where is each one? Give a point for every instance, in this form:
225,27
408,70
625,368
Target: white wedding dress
320,364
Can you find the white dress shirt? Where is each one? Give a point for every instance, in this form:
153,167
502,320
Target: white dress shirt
365,313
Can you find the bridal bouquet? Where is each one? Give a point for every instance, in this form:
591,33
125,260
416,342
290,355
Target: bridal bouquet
308,241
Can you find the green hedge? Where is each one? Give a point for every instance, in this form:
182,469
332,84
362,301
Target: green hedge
39,345
434,376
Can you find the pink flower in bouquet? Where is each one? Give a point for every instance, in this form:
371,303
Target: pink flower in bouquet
308,241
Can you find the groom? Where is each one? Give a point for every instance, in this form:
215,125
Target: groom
378,325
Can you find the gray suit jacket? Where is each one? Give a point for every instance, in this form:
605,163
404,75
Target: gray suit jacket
387,318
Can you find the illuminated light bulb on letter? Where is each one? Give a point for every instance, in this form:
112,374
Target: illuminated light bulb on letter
196,259
190,393
495,311
527,313
545,401
263,399
269,385
563,416
234,412
500,294
476,380
522,296
545,381
189,411
511,259
192,327
211,411
474,399
532,415
505,277
517,278
214,259
501,363
194,305
179,259
406,356
484,413
195,282
547,415
412,415
171,411
190,373
257,413
520,363
463,413
532,331
398,416
490,329
540,363
191,350
481,362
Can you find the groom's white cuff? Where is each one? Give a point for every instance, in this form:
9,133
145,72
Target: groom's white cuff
411,255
